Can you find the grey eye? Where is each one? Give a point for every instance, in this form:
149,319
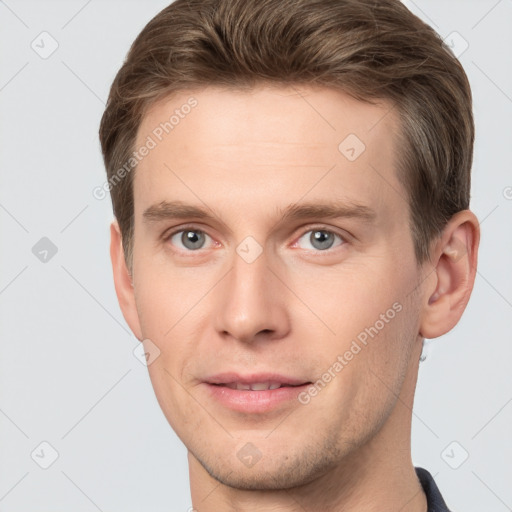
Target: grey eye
190,239
319,239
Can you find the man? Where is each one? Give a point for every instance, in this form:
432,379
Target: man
290,181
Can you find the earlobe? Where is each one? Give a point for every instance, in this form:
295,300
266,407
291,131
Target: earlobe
123,281
449,286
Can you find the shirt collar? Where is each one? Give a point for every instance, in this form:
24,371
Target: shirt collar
435,501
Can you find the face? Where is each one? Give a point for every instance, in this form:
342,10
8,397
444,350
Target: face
273,271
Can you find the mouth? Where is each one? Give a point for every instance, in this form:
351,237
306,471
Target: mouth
257,386
254,393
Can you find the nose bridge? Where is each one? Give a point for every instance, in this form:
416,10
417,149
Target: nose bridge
251,303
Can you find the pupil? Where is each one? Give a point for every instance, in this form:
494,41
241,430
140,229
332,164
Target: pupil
322,239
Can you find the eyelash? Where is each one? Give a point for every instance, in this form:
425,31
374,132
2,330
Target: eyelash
325,229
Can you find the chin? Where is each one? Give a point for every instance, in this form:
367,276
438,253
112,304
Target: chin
271,473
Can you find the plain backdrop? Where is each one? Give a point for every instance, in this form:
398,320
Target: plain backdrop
68,376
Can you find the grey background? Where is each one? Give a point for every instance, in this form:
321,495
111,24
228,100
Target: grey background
68,375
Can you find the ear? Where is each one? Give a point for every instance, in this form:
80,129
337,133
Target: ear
123,281
450,283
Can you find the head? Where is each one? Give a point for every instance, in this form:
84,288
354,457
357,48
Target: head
290,181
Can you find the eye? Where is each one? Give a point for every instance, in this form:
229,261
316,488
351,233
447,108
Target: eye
190,239
319,239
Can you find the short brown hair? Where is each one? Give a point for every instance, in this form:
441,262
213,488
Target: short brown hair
372,50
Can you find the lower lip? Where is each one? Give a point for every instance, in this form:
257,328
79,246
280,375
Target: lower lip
255,401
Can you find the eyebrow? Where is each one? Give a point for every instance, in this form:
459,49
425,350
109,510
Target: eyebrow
169,210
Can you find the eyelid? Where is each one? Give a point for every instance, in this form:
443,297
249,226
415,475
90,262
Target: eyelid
182,227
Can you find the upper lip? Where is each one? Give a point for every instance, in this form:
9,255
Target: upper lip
253,378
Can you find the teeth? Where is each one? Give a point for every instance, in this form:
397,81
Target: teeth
260,386
256,386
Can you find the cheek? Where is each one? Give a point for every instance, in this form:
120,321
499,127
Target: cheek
155,308
164,296
369,320
388,354
170,303
347,300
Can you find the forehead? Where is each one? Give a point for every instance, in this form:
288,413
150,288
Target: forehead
270,142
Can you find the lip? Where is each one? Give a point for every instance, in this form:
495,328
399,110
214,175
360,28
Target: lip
254,401
227,377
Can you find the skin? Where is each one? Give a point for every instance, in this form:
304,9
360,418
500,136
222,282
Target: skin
244,156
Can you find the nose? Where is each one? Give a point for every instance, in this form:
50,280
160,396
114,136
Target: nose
251,303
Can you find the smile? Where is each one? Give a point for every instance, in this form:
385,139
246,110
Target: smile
256,386
256,393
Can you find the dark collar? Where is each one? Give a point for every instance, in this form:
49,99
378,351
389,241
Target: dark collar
434,499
